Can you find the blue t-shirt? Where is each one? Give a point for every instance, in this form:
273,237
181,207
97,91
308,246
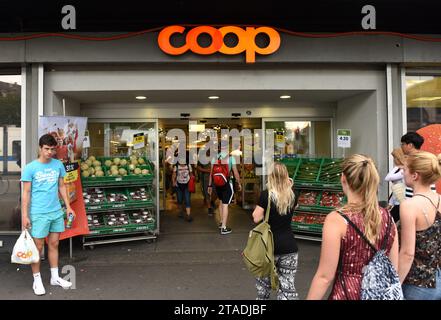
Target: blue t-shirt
44,184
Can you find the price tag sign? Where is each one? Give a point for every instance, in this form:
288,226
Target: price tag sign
280,139
344,138
86,142
71,172
138,141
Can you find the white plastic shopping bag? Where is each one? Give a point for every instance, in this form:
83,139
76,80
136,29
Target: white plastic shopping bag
25,251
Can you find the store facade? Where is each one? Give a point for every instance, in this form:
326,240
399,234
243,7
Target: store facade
357,83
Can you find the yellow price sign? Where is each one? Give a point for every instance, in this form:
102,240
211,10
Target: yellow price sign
138,141
71,176
280,137
71,172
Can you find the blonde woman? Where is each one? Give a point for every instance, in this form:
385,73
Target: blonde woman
360,181
283,202
395,176
420,252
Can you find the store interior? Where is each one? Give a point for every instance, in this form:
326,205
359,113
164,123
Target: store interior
303,125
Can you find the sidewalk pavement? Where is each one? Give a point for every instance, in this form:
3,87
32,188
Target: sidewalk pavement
189,261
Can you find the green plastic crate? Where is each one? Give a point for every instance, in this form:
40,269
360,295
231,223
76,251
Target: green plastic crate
131,227
291,164
308,170
317,207
306,227
130,179
122,229
330,171
129,204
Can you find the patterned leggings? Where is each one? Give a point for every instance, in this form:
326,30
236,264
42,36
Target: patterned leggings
286,265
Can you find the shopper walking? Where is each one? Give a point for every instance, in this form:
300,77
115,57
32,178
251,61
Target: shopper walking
282,204
420,251
41,210
395,176
360,181
412,142
220,177
182,172
204,169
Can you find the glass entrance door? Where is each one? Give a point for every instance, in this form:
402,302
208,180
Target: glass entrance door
296,138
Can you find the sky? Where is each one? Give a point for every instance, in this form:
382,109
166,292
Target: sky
11,79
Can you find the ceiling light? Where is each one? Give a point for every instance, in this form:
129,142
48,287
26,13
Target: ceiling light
141,97
213,97
285,97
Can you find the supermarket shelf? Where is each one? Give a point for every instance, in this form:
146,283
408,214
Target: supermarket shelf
120,206
296,211
317,186
116,183
307,237
142,236
122,229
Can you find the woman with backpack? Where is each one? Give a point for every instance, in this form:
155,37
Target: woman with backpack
420,216
282,204
345,252
182,172
220,179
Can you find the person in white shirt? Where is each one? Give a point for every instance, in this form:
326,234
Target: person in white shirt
411,142
398,187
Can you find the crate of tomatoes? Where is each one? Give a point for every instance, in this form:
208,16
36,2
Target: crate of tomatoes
306,222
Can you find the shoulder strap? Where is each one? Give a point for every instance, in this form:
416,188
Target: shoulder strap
386,236
357,230
422,195
268,207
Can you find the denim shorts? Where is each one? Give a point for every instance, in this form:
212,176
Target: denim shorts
412,292
43,223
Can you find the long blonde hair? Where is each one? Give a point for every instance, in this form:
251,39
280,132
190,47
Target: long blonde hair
280,188
398,155
426,164
363,179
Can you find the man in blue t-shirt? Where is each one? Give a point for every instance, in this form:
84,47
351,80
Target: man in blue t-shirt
41,209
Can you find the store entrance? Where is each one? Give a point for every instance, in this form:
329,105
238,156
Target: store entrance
204,218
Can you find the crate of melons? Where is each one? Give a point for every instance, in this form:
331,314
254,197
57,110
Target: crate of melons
115,170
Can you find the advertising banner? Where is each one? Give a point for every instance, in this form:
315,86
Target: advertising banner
69,133
432,143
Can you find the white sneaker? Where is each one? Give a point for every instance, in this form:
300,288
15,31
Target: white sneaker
38,288
61,282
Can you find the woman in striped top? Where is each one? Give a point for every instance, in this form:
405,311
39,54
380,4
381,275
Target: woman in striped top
344,252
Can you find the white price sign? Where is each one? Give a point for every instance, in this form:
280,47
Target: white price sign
344,138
